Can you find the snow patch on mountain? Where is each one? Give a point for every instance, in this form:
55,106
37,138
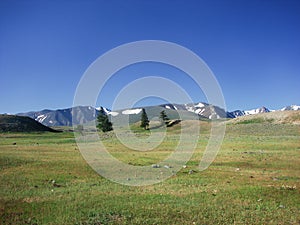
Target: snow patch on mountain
200,104
251,112
106,110
131,111
199,111
41,118
256,111
190,109
113,113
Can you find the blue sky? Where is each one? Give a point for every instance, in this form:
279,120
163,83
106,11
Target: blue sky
252,47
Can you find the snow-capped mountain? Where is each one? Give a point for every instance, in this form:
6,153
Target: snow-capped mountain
85,114
291,107
202,109
238,113
263,109
64,117
256,111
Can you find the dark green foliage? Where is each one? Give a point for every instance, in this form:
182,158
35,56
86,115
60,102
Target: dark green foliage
163,116
144,120
103,122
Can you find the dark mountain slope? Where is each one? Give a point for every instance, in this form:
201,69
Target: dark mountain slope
11,123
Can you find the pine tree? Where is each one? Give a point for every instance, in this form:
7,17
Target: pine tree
103,122
163,116
144,120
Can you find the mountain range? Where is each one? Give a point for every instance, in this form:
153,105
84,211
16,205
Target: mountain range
86,114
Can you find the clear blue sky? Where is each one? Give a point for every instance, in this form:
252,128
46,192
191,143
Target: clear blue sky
252,47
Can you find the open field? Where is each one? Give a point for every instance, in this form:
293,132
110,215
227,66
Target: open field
255,179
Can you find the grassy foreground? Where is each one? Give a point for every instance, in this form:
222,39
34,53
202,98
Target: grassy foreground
255,179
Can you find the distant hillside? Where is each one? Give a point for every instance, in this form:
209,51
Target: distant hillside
276,117
11,123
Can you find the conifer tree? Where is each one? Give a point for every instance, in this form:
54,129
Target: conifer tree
163,116
144,120
103,122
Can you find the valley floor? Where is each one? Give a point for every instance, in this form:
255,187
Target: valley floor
255,179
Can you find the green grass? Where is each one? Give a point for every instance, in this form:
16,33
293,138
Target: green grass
256,120
255,179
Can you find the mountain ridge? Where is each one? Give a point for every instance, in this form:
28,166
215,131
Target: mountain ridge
84,114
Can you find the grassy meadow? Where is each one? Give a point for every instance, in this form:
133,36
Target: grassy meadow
255,179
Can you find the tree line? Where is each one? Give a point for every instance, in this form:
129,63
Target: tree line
105,125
